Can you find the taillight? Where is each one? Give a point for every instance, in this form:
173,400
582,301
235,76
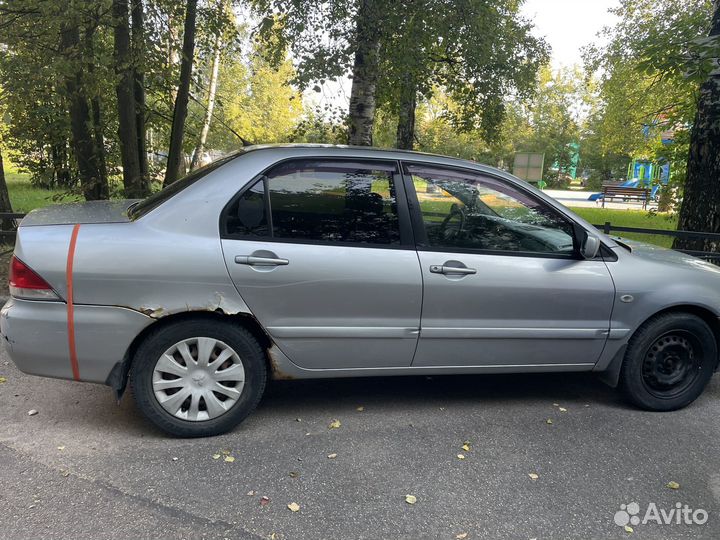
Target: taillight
24,283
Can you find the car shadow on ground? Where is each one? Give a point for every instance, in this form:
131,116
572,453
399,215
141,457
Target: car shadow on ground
411,391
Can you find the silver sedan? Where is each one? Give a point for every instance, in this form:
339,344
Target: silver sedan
316,261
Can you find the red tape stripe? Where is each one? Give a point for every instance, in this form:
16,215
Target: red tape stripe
70,305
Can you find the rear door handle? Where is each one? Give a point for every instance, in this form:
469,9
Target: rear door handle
260,261
450,270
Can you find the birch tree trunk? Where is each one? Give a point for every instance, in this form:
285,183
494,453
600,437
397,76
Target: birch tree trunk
127,112
365,74
406,117
212,89
700,209
175,152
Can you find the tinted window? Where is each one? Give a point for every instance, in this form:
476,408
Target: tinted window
325,201
463,210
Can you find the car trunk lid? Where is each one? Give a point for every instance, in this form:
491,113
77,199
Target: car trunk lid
83,212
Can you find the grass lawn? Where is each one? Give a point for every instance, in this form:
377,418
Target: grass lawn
632,218
25,197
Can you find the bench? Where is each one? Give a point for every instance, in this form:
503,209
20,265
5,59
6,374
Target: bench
635,194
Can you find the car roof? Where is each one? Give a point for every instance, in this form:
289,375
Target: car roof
386,153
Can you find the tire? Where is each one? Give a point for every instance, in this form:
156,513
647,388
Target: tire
668,362
206,412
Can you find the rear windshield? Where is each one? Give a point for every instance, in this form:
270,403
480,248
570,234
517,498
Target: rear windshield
153,201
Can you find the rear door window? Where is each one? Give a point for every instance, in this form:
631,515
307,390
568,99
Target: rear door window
323,201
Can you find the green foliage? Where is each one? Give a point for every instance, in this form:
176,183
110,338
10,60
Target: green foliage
256,101
649,75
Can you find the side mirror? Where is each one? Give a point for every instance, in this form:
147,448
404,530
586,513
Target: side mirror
590,246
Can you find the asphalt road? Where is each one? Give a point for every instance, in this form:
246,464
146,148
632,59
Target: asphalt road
84,467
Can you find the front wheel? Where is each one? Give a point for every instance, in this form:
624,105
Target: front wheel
198,378
668,362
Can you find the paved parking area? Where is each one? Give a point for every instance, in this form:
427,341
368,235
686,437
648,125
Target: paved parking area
84,467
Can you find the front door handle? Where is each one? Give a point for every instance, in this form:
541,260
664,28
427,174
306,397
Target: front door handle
451,270
260,261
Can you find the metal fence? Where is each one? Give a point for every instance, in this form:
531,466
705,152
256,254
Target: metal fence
8,226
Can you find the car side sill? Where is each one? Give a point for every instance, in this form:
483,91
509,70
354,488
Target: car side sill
284,368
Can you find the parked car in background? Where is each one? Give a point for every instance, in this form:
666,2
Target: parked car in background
319,261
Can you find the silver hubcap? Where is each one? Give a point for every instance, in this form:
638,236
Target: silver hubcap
198,379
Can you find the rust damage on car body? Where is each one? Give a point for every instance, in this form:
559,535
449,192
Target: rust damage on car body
277,373
218,304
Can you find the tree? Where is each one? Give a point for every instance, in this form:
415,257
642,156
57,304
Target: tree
649,75
5,205
92,176
212,90
365,72
175,153
127,107
330,40
700,209
479,52
254,101
138,45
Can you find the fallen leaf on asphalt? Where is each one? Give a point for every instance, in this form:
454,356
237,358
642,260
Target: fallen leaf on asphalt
533,476
294,474
673,485
225,452
32,412
216,456
264,500
229,459
461,456
628,529
61,448
250,493
466,447
298,419
360,409
334,424
549,420
294,507
461,536
174,459
562,409
2,380
556,404
273,536
410,499
332,456
65,473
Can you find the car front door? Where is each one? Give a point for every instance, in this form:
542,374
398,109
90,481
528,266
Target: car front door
503,284
321,251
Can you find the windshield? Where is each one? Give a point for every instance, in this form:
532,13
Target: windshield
156,199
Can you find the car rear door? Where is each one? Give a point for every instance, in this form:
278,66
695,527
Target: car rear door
503,284
321,250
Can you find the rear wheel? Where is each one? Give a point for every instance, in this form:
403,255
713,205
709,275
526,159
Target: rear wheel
198,378
668,362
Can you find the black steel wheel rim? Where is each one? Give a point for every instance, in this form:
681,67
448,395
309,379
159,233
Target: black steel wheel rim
671,364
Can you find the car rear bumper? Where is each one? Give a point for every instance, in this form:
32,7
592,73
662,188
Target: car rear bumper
36,337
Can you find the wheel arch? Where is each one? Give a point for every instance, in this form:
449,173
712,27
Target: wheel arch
118,377
611,374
